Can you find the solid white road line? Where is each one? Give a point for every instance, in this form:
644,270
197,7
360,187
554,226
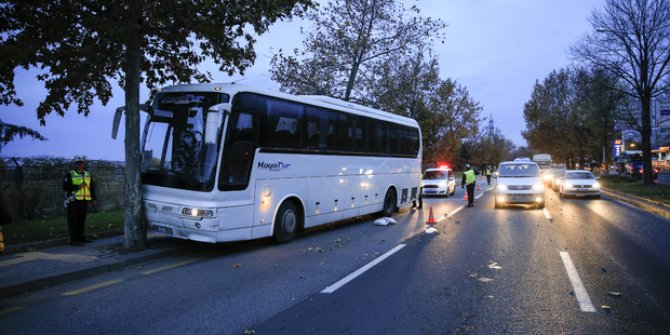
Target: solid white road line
582,296
332,288
546,214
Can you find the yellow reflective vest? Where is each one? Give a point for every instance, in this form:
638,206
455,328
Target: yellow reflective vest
469,177
77,179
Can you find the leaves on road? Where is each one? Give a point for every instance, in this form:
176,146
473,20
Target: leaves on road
494,266
315,249
615,294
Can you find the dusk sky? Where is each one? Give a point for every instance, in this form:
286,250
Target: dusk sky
497,49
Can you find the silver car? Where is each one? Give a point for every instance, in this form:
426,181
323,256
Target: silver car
579,183
519,182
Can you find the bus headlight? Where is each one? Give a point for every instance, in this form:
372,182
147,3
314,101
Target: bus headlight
197,212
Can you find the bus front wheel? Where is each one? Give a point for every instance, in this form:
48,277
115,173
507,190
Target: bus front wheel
389,203
286,223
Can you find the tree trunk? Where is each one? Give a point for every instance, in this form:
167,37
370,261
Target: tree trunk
135,232
648,176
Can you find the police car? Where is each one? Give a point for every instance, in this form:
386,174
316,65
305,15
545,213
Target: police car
438,181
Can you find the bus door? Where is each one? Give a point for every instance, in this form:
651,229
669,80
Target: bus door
236,166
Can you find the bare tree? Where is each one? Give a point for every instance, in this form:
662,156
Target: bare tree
632,41
350,41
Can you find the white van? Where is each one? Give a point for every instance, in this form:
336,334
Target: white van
438,181
519,182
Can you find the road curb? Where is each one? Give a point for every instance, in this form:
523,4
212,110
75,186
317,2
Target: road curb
109,264
645,204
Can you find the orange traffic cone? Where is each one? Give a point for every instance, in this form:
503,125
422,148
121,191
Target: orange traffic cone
431,218
465,196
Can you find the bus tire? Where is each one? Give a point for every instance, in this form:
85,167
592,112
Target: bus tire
287,222
389,203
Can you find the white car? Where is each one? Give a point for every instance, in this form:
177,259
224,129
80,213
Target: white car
519,182
438,181
579,183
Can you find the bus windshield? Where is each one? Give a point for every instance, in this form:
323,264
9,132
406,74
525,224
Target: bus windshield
175,153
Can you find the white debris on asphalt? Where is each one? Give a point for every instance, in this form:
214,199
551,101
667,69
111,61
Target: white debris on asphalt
385,221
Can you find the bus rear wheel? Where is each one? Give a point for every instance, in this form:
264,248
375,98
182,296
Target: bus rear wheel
389,203
286,222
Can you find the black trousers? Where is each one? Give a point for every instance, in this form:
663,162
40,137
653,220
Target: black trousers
471,193
488,179
76,219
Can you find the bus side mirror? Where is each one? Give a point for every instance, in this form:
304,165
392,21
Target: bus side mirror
214,118
117,121
117,118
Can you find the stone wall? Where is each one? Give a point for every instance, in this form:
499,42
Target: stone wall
33,187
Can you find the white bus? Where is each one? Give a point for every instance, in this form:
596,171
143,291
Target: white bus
225,162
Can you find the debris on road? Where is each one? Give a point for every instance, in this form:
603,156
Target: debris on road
494,266
615,294
385,221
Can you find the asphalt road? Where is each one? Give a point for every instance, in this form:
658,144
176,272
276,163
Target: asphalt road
581,266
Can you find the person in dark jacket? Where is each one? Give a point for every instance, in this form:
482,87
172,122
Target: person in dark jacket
79,192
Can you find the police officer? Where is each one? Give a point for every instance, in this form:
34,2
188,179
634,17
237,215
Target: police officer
79,191
469,182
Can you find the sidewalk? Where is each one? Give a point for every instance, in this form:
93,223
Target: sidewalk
33,270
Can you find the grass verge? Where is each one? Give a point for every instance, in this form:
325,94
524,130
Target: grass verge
28,231
660,193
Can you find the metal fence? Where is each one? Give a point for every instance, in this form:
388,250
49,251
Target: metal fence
33,187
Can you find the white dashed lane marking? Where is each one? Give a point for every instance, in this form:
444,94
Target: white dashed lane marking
583,299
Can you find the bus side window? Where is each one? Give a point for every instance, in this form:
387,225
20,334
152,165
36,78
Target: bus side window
318,126
285,124
379,138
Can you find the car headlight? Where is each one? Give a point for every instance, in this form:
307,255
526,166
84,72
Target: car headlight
596,185
568,185
443,184
538,187
502,187
197,212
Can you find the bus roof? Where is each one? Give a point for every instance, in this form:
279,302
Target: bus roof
315,100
